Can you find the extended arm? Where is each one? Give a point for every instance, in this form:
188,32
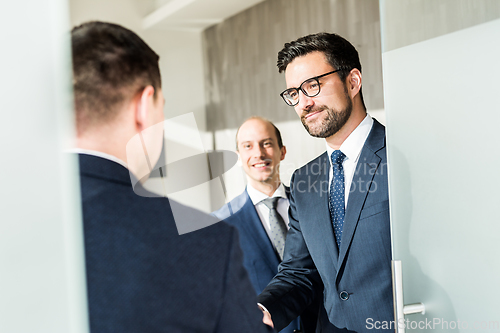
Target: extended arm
297,283
239,312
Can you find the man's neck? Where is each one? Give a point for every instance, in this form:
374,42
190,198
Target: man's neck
103,148
109,138
336,140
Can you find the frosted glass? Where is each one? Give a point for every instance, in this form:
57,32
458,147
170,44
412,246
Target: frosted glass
442,112
42,276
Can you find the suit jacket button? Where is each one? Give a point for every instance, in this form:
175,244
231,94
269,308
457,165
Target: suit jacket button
344,295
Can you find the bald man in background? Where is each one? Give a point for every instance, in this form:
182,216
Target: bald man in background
260,213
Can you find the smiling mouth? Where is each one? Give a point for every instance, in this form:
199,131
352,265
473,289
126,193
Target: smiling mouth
261,165
313,113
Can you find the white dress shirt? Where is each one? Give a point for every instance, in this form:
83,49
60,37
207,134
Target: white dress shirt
351,148
256,196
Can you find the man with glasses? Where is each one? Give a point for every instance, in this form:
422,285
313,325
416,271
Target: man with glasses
339,236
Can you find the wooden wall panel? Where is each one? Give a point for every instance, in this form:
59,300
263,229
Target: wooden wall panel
241,77
359,22
242,80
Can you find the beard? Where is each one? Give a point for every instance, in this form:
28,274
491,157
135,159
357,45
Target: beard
332,122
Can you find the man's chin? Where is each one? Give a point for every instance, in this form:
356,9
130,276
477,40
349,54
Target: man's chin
315,131
262,178
312,126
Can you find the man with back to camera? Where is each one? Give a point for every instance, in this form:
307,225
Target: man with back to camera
339,236
142,276
260,213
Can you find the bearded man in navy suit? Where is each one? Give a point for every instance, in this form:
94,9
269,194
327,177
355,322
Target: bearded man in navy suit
142,276
338,246
260,150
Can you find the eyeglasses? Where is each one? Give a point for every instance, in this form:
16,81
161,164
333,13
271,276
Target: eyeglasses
309,87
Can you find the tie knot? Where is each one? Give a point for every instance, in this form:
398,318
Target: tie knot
271,203
337,157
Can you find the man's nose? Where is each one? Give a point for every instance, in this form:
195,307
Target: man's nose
261,151
258,152
305,102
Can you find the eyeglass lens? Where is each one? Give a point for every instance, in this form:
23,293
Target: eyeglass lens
310,88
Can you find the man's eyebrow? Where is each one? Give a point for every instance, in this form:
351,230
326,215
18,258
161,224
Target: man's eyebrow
262,140
266,139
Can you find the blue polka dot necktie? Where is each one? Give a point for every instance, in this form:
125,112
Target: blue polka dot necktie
336,204
278,226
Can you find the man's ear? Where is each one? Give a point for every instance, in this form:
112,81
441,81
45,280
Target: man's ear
354,82
142,107
283,153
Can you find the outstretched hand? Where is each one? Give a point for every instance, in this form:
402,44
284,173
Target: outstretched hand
267,318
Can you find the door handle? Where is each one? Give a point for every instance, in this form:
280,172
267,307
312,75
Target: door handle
400,310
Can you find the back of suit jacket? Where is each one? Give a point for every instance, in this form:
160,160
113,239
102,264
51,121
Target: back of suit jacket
142,276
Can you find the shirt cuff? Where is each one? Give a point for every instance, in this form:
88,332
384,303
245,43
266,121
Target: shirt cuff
263,308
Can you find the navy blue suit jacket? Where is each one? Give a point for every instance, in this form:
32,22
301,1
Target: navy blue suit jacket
260,257
142,276
357,277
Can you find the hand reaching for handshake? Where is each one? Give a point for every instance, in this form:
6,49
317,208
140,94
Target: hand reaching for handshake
267,316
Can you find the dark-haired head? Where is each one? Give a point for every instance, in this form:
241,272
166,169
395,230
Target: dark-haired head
111,65
339,52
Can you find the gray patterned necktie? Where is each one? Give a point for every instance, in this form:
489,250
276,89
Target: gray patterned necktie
278,226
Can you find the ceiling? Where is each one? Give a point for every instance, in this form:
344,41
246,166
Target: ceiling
193,14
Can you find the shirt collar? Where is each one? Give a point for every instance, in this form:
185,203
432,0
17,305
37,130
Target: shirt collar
352,146
98,154
257,196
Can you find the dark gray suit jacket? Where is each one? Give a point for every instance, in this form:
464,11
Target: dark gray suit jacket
143,277
260,257
357,277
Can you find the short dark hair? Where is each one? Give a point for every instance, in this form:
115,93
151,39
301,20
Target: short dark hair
278,135
276,130
339,53
111,64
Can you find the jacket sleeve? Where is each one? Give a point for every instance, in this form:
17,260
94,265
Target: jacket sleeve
297,283
239,311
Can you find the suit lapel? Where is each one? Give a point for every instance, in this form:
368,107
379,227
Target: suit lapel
287,191
318,212
366,168
254,228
